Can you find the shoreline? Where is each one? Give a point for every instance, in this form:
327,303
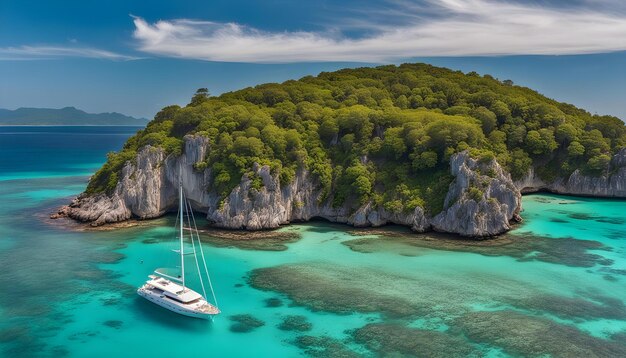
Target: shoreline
134,222
387,230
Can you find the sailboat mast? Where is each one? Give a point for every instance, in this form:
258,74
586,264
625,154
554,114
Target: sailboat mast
180,206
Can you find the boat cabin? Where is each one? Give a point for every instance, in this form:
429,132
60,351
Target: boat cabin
173,290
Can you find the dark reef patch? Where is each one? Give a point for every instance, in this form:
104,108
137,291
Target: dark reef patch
13,333
542,199
527,336
575,307
524,247
619,337
83,336
394,340
153,240
315,288
613,271
273,302
59,351
597,218
615,234
324,347
114,324
91,274
346,290
27,309
268,240
244,323
107,257
295,323
110,301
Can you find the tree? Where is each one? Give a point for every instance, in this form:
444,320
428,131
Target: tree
501,110
425,160
394,142
541,141
487,119
328,130
201,95
566,133
575,149
599,162
520,163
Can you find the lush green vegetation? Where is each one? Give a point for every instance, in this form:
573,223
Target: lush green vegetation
381,134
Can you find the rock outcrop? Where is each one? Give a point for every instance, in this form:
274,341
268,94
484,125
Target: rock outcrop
611,184
482,199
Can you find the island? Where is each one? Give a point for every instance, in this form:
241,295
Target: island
415,145
68,116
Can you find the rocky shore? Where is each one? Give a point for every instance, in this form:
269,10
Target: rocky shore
482,199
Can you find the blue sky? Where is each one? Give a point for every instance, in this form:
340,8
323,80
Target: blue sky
135,57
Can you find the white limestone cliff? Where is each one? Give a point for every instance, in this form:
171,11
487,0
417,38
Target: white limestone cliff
481,201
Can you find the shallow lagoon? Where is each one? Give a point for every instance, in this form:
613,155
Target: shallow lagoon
555,285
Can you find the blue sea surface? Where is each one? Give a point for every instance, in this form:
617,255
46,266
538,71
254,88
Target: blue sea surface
554,286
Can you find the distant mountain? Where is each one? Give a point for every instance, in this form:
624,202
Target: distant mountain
65,116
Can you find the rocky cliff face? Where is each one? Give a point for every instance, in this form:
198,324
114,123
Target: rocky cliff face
612,184
482,199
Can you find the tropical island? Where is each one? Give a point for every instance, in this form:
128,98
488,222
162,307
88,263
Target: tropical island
416,145
67,116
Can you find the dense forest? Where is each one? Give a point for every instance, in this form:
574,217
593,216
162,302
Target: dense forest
382,134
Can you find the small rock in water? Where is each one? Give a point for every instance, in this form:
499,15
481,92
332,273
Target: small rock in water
323,346
244,323
113,324
295,323
273,302
609,278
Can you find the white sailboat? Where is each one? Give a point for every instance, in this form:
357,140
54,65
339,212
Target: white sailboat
167,289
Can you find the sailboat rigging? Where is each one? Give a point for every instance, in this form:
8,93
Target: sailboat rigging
168,289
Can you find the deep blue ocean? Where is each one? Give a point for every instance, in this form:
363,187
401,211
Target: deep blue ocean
555,286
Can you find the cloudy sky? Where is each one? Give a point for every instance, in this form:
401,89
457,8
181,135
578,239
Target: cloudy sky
135,57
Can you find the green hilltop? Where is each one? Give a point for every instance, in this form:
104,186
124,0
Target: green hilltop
382,134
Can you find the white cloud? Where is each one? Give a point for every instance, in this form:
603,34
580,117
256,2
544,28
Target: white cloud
53,52
437,28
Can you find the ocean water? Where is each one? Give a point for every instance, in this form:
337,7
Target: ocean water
554,286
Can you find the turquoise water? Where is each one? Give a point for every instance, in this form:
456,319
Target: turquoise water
555,286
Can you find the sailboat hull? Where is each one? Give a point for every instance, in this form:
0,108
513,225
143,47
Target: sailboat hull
199,309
